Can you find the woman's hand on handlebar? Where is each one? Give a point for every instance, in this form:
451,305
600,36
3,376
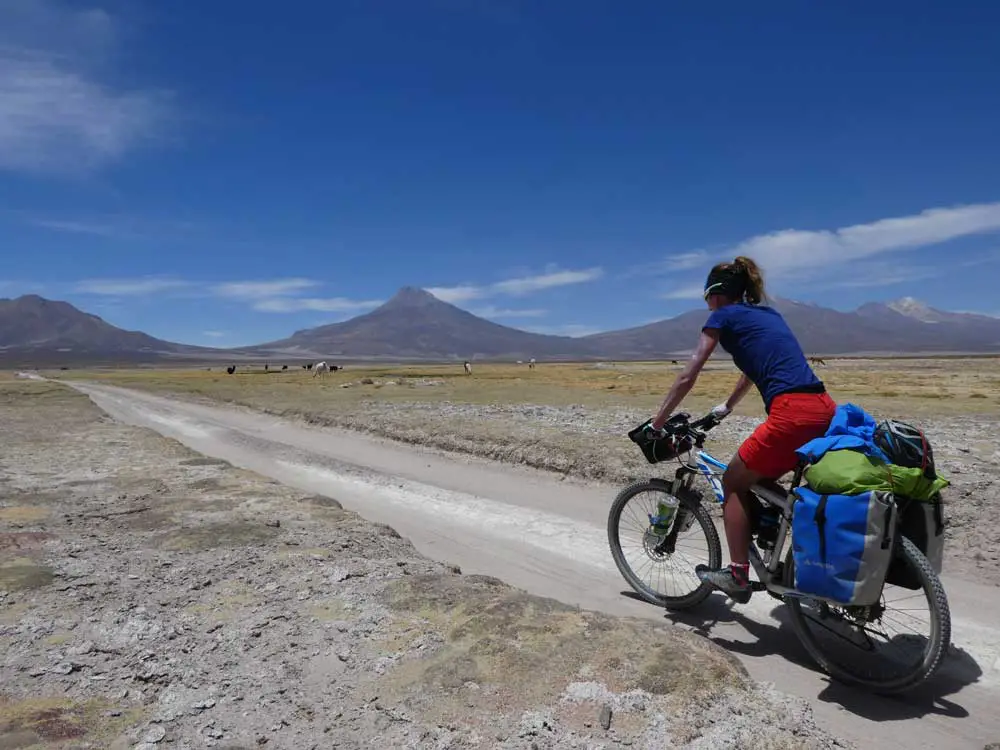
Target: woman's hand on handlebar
721,411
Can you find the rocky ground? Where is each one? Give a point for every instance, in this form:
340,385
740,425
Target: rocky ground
151,598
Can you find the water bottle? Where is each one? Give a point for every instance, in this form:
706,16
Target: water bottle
767,527
665,511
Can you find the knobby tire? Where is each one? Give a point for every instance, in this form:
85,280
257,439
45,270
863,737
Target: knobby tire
933,591
688,500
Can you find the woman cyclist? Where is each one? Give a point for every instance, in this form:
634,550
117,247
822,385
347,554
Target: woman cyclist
798,408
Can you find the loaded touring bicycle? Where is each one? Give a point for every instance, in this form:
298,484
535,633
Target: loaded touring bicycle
873,615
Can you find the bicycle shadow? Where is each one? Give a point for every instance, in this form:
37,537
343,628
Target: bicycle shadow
958,670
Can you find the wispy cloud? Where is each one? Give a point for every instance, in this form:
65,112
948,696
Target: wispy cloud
794,252
879,274
130,287
688,291
516,287
80,227
213,334
456,294
528,284
258,289
574,330
675,263
859,255
271,296
115,226
501,312
55,114
298,304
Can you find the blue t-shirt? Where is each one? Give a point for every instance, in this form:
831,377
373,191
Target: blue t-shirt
764,348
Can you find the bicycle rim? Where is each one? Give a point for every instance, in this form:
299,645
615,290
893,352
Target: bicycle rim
665,579
868,655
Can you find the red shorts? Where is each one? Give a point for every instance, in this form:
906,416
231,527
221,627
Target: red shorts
794,420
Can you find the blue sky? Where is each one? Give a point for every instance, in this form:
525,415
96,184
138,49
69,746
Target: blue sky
225,173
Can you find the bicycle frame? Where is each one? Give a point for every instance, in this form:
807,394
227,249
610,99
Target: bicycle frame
712,469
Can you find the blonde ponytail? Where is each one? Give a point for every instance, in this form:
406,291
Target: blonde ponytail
755,293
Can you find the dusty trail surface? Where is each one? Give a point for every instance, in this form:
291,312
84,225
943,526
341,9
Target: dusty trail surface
154,598
546,535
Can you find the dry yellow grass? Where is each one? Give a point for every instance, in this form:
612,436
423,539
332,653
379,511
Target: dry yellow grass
921,387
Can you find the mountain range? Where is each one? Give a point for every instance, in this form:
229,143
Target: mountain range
415,325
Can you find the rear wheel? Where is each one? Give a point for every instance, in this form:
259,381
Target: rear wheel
853,644
661,568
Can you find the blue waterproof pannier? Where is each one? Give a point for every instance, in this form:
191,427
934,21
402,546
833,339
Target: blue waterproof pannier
842,545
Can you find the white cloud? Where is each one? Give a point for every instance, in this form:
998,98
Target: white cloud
500,312
272,288
573,330
115,226
214,334
672,264
298,304
515,287
879,274
79,227
798,253
55,115
689,291
529,284
129,287
455,294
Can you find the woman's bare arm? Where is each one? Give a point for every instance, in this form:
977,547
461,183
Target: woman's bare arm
742,386
686,379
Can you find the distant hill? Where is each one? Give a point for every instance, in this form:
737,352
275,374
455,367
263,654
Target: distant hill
32,327
415,324
902,327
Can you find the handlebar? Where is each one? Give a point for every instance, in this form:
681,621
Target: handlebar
679,424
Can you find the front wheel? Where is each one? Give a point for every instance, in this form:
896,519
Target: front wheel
661,569
845,641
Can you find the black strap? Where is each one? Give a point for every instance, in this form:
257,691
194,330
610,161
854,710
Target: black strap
938,516
887,535
820,518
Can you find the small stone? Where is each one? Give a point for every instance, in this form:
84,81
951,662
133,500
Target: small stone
605,717
205,704
274,524
81,650
155,734
62,668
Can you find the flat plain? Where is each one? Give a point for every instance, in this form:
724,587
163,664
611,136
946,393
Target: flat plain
573,418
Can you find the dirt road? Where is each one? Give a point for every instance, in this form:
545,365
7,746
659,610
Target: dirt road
547,535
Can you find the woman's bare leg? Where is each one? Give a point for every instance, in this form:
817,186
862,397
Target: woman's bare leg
736,483
735,579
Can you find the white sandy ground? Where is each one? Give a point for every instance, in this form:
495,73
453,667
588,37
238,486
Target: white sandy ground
546,534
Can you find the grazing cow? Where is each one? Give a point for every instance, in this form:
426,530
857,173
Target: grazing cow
673,361
231,369
320,368
284,367
468,368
